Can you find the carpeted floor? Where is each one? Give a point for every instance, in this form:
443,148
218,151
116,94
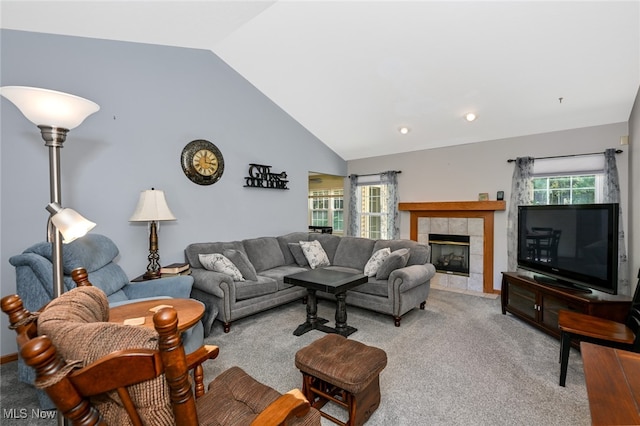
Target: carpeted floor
458,362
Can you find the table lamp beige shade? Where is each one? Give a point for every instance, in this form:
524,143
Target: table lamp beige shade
152,207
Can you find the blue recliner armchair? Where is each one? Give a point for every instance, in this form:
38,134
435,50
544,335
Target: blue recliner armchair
95,253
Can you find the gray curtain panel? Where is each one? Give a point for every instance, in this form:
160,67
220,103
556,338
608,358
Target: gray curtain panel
521,194
353,228
390,179
612,195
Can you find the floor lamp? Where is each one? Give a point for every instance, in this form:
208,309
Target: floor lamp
55,113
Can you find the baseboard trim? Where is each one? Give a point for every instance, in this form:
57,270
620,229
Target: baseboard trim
8,358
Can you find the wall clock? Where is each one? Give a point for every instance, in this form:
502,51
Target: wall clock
202,162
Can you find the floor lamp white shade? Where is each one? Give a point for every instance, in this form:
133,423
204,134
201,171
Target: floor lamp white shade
71,224
49,107
55,113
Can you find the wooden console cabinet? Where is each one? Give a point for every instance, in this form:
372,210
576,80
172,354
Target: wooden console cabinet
538,304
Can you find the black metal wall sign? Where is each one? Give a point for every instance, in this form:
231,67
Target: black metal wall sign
260,176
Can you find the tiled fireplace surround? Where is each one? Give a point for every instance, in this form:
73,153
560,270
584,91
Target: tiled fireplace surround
473,218
471,226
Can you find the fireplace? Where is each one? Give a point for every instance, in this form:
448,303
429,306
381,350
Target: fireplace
472,218
450,253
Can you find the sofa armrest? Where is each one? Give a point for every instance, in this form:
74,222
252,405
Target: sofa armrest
408,277
177,287
212,282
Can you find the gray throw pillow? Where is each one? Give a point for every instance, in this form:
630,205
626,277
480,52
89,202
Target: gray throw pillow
298,254
242,263
396,260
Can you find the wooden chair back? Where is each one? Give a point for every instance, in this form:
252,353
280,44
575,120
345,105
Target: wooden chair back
71,389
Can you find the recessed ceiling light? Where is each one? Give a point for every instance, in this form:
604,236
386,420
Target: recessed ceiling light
470,116
404,130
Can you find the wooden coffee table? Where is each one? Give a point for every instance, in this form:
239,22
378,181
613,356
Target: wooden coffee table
329,281
190,311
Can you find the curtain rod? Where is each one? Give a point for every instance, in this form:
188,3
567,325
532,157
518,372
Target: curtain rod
374,174
618,151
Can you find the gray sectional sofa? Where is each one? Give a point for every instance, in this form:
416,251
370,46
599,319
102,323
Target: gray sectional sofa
274,257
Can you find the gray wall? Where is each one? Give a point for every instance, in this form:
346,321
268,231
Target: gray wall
154,100
459,173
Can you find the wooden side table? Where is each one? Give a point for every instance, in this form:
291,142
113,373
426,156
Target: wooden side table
190,311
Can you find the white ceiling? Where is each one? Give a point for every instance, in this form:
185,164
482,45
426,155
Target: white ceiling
353,72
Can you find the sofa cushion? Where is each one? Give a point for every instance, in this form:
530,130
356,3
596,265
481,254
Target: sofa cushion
315,254
419,252
298,254
285,240
353,252
91,252
374,287
250,289
396,260
329,243
264,253
75,322
280,272
374,262
242,263
219,263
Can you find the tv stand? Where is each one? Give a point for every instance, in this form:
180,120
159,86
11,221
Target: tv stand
553,282
538,303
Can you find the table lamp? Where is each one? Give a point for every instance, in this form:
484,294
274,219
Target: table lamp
152,207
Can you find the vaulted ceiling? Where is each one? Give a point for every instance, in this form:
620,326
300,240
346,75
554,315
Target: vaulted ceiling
354,72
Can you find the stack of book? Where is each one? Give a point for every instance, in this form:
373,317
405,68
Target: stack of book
174,269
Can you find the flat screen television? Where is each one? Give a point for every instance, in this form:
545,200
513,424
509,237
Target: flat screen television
573,246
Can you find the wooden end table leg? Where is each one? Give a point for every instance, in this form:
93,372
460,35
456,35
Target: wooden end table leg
341,315
312,321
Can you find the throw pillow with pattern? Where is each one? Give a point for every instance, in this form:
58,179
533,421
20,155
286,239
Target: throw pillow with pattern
219,263
374,262
315,254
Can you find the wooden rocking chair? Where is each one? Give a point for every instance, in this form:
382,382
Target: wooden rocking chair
114,386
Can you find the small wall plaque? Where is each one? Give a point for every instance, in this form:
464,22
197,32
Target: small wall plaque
260,176
483,196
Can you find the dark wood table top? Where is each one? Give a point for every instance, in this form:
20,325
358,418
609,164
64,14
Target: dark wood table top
190,311
327,280
613,384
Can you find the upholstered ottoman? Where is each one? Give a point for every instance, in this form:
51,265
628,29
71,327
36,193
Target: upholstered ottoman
345,372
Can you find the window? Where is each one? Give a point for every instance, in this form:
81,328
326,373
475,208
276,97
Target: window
571,189
326,208
573,180
373,206
373,223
